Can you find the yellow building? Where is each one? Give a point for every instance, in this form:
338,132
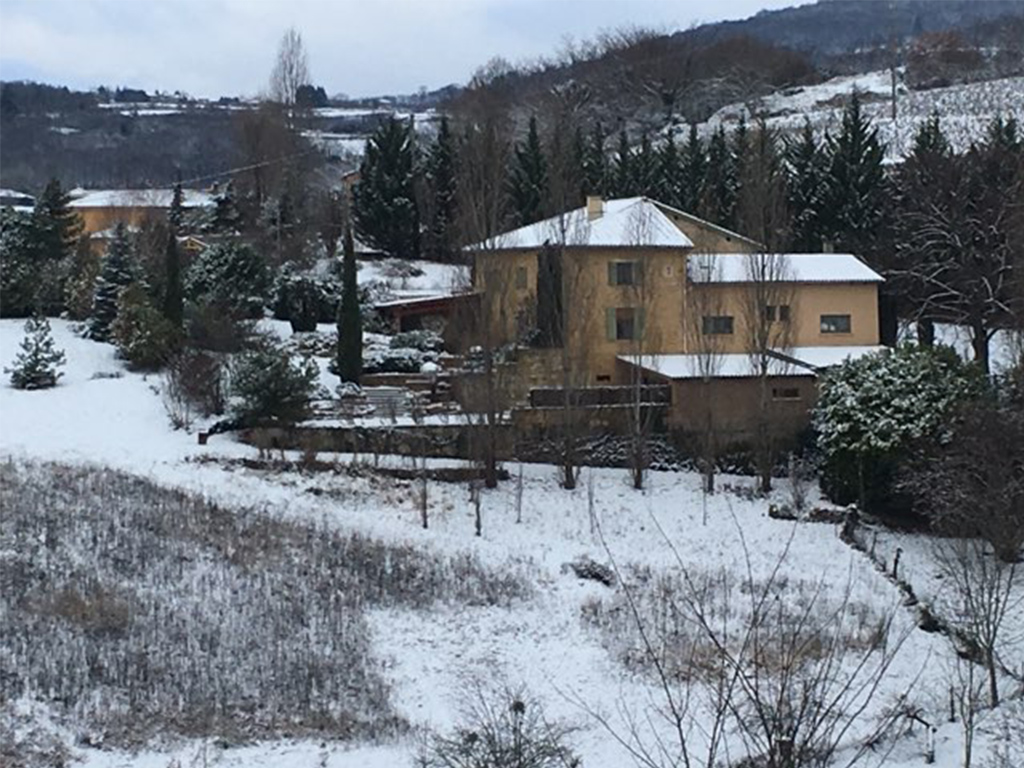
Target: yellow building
623,290
101,210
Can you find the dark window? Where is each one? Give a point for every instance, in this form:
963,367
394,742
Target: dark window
779,312
713,324
521,278
835,324
785,393
623,272
624,323
604,379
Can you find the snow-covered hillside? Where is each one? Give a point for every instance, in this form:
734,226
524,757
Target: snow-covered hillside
560,641
965,109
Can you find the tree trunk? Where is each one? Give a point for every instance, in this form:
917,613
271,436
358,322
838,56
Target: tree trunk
979,343
993,682
926,333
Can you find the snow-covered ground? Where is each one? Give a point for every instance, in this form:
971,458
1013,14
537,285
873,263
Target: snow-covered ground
101,414
966,110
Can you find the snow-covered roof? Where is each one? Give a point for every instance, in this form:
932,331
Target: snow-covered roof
140,198
798,361
19,201
781,267
631,221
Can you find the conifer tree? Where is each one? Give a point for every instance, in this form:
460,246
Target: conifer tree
57,226
645,169
718,201
350,325
441,183
761,209
694,166
669,173
35,367
384,206
805,167
528,178
54,235
173,308
856,193
115,274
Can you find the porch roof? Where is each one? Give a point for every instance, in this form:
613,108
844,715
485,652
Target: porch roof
797,361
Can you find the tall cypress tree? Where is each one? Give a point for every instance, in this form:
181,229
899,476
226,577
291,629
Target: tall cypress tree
115,274
718,201
695,164
528,178
384,205
350,323
173,291
805,167
441,183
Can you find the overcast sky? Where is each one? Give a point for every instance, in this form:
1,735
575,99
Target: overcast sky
359,47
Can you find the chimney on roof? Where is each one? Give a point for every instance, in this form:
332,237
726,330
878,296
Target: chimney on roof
595,207
827,246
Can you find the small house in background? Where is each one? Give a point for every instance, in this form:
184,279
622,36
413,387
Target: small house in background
632,291
102,210
19,201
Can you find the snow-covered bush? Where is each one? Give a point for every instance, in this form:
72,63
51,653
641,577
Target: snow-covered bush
874,410
305,300
232,275
392,360
501,727
35,367
269,385
425,341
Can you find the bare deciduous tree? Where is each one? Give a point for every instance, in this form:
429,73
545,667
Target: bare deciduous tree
291,69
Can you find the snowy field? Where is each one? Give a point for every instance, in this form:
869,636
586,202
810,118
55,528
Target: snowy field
966,110
103,416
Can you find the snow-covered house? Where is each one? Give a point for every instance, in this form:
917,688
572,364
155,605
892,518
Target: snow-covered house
103,209
19,201
629,290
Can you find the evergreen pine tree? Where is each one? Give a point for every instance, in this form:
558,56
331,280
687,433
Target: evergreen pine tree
528,178
57,226
929,138
670,173
35,367
55,231
645,169
805,167
856,192
174,301
384,205
718,201
19,280
761,209
622,172
695,165
350,325
115,274
441,182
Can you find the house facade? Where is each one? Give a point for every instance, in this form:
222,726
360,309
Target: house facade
621,291
102,210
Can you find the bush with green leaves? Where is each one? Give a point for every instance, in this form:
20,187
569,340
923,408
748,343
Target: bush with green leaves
232,275
270,386
35,367
873,412
144,337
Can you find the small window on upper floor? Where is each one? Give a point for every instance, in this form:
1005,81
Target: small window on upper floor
785,393
521,278
777,312
835,324
624,323
716,324
623,272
